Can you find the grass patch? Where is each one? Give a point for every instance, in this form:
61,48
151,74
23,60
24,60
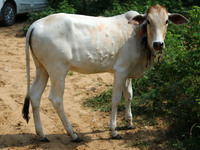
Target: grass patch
142,144
103,102
70,73
141,108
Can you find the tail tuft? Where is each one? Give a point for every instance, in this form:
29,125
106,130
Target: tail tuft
25,110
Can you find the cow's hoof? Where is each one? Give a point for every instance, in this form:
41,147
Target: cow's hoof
45,140
77,140
131,127
117,137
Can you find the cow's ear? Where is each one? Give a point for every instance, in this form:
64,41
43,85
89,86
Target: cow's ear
139,19
177,18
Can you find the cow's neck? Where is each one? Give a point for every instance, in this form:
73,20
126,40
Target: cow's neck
145,47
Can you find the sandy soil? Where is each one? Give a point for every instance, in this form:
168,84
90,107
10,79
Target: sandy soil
91,126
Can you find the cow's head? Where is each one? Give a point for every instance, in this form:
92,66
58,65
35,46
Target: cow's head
157,18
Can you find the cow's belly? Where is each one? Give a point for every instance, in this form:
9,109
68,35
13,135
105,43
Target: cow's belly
91,55
94,60
91,69
84,58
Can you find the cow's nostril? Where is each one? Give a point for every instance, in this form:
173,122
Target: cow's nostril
161,45
155,45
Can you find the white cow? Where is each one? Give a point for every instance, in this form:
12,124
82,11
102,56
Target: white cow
87,44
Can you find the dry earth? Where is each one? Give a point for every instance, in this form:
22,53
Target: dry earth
91,126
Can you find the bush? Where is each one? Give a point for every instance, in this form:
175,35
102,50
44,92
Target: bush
121,6
173,85
61,6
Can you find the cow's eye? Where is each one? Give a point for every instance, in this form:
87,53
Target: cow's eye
148,22
167,21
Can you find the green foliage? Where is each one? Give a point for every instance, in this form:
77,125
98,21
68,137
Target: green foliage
173,85
187,144
54,4
61,6
103,102
198,109
142,144
121,6
91,7
65,7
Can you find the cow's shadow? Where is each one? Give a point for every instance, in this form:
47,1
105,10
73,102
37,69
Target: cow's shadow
24,140
149,138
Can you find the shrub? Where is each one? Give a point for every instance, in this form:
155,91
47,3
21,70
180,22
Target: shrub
121,6
173,85
61,6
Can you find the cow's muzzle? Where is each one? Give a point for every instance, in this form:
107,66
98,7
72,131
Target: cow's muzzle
158,45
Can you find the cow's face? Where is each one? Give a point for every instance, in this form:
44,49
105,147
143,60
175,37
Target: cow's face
157,22
156,19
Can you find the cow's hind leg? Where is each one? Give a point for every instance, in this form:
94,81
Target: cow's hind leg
56,97
36,91
128,95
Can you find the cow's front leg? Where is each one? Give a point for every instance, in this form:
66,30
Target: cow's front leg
128,95
119,81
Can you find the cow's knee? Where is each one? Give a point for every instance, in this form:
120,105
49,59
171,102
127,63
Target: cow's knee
35,101
115,103
56,102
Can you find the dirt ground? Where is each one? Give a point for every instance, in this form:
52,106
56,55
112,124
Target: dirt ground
91,126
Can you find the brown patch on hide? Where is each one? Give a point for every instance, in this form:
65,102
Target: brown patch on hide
99,28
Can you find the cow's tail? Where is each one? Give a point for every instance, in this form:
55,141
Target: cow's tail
25,110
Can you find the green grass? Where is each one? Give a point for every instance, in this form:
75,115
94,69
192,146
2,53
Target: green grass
70,73
142,144
103,102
